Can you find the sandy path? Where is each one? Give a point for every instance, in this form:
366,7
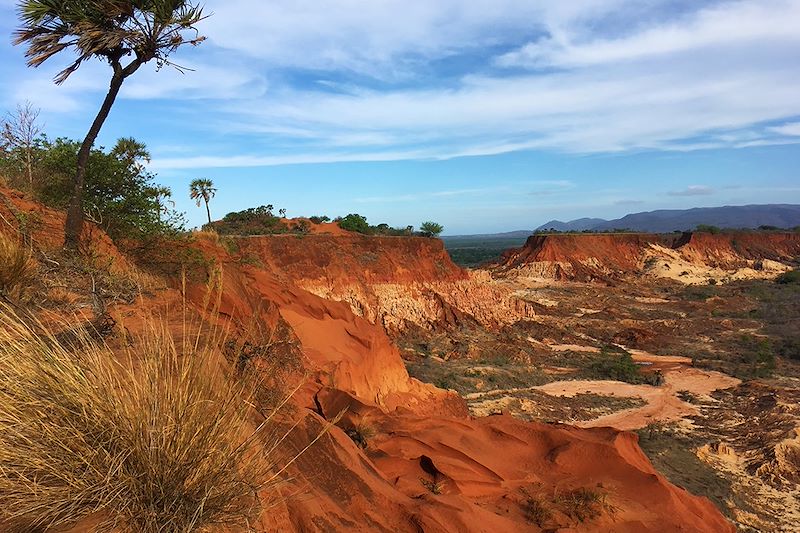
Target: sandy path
663,403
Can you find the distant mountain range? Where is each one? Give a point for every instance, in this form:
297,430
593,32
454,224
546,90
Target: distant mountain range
668,220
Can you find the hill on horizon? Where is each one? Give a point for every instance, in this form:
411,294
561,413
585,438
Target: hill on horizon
668,220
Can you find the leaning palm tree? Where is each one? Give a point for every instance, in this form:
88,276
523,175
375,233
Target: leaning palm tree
202,190
109,30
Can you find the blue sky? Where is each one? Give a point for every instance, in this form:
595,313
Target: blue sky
485,115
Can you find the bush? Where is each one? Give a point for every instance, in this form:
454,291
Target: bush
120,194
356,223
793,276
253,221
17,268
616,364
152,436
705,228
431,229
320,219
789,348
757,355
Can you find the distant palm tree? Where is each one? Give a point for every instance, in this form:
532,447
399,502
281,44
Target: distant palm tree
110,30
131,152
162,197
202,190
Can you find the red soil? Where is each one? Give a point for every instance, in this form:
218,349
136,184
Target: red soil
587,257
729,250
483,468
351,258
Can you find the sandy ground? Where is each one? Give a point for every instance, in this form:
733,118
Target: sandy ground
663,403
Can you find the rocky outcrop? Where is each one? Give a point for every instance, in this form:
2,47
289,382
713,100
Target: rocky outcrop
396,282
689,257
426,465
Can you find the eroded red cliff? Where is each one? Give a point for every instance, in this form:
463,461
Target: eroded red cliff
428,466
396,282
689,257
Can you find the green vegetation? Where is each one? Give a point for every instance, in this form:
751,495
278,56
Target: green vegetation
793,276
120,195
356,223
705,228
616,364
202,190
474,251
255,221
109,30
757,356
431,229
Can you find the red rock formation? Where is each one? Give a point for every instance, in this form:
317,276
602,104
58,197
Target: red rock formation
392,281
480,474
609,257
485,470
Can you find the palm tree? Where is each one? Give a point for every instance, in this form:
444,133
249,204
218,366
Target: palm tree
109,30
131,152
202,190
162,196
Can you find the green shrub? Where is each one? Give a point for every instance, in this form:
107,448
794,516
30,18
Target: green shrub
616,364
706,228
356,223
431,229
793,276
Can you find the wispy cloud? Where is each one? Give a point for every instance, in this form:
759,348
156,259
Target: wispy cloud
340,81
693,190
791,128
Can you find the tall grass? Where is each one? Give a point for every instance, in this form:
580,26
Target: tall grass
17,268
150,437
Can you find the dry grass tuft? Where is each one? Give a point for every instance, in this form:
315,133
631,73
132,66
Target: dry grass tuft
362,432
17,268
583,503
153,438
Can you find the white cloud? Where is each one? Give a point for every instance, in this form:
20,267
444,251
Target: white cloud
738,24
384,38
791,129
622,75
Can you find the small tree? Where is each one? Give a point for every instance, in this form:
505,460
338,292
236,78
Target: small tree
202,190
110,30
355,222
431,229
21,134
282,213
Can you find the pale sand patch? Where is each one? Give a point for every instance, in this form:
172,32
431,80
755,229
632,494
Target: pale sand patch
663,403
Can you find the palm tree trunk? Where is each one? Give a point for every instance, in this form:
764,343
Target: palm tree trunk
74,225
208,212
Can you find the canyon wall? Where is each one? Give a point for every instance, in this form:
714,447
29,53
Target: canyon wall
396,282
427,466
689,257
